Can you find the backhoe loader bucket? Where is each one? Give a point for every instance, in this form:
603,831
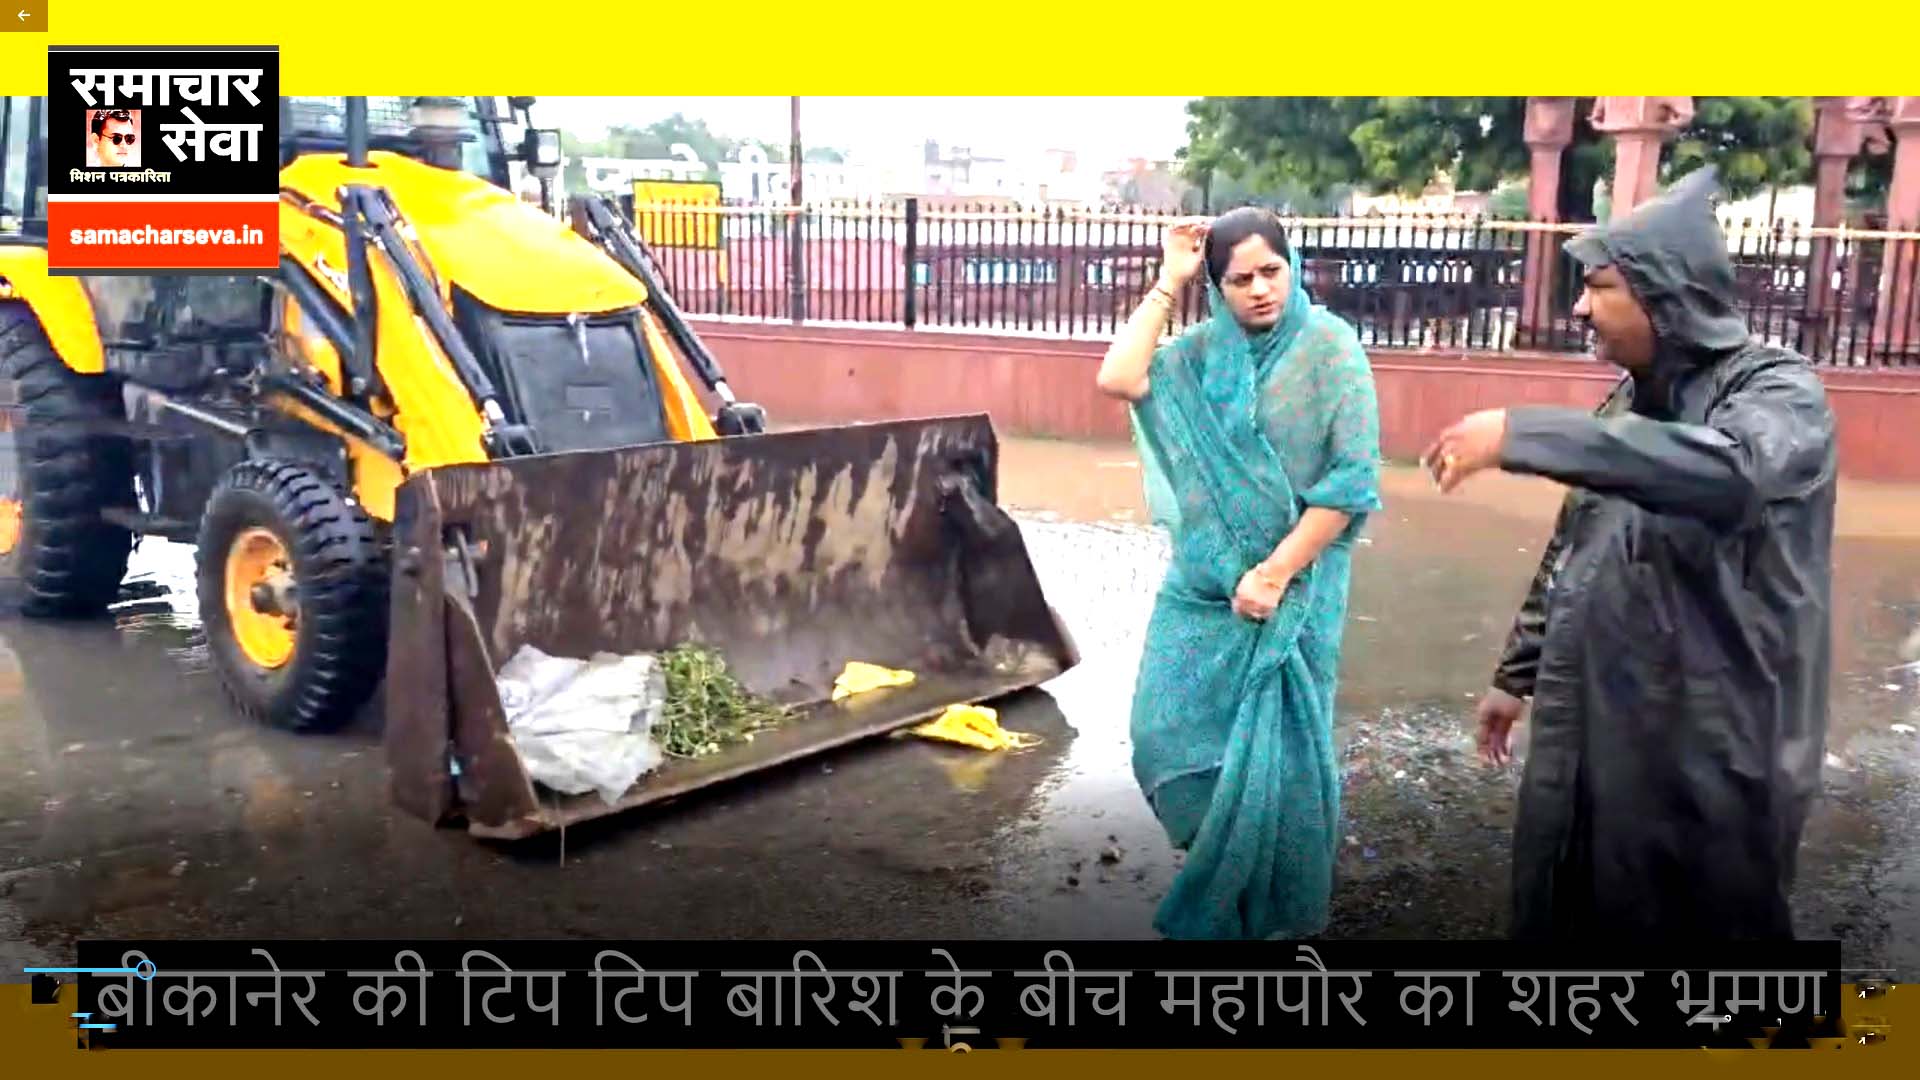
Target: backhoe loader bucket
792,554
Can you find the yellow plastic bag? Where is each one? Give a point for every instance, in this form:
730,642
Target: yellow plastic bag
860,677
976,726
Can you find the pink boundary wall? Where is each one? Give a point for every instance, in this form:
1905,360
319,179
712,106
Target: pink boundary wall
1040,387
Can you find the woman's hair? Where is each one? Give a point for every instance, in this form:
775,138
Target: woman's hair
1234,227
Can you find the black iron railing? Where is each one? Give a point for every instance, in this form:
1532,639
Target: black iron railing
1843,297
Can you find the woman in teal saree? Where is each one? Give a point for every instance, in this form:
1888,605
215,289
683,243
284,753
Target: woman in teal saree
1258,433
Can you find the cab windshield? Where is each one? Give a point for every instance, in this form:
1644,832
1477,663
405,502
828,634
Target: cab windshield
17,116
390,120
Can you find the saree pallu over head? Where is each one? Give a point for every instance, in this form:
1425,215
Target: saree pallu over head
1232,720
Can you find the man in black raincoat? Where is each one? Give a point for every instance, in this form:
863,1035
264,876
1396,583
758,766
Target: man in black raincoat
1675,643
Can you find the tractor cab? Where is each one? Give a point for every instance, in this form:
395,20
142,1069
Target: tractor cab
489,137
23,172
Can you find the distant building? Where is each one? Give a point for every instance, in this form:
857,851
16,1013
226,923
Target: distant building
927,170
1145,182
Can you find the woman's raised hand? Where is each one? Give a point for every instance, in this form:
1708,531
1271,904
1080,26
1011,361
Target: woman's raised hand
1182,252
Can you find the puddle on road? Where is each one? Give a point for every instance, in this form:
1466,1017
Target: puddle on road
1427,830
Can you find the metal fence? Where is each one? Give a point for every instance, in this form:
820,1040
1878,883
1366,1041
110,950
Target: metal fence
1842,297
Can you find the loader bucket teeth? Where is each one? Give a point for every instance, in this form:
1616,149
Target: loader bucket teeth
793,554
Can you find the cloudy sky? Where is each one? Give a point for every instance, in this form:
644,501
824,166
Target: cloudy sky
1100,129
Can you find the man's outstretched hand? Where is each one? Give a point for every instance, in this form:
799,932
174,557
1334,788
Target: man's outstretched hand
1466,448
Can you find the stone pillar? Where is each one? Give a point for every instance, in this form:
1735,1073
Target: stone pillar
1639,125
1842,128
1549,130
1896,315
1903,199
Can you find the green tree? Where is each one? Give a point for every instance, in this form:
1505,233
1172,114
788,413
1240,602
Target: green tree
658,139
1383,144
1508,202
1285,196
1378,144
1758,143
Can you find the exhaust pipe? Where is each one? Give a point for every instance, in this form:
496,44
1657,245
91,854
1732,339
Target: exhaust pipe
357,132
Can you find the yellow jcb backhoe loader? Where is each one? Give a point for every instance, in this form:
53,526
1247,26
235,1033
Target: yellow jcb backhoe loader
451,426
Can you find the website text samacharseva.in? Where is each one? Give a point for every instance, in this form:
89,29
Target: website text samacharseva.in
149,235
213,234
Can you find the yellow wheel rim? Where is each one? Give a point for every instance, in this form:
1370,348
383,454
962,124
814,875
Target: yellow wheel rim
259,589
9,525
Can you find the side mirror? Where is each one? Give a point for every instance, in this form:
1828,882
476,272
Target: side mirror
541,150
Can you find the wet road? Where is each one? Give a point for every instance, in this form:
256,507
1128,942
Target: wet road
132,803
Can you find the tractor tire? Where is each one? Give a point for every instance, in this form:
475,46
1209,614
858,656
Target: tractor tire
293,593
58,558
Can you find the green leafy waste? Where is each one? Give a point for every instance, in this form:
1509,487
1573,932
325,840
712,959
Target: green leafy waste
707,709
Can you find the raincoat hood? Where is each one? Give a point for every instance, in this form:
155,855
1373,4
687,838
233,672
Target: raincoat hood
1674,256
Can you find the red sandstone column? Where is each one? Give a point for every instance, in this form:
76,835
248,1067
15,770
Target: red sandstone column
1549,129
1840,132
1639,125
1896,316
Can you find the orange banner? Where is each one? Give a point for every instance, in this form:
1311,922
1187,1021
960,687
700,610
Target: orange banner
161,236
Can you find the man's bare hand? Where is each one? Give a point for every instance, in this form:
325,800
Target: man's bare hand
1498,712
1466,448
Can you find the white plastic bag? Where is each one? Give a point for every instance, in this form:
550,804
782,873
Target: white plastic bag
531,676
584,725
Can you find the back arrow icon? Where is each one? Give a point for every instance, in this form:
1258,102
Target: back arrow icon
24,16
